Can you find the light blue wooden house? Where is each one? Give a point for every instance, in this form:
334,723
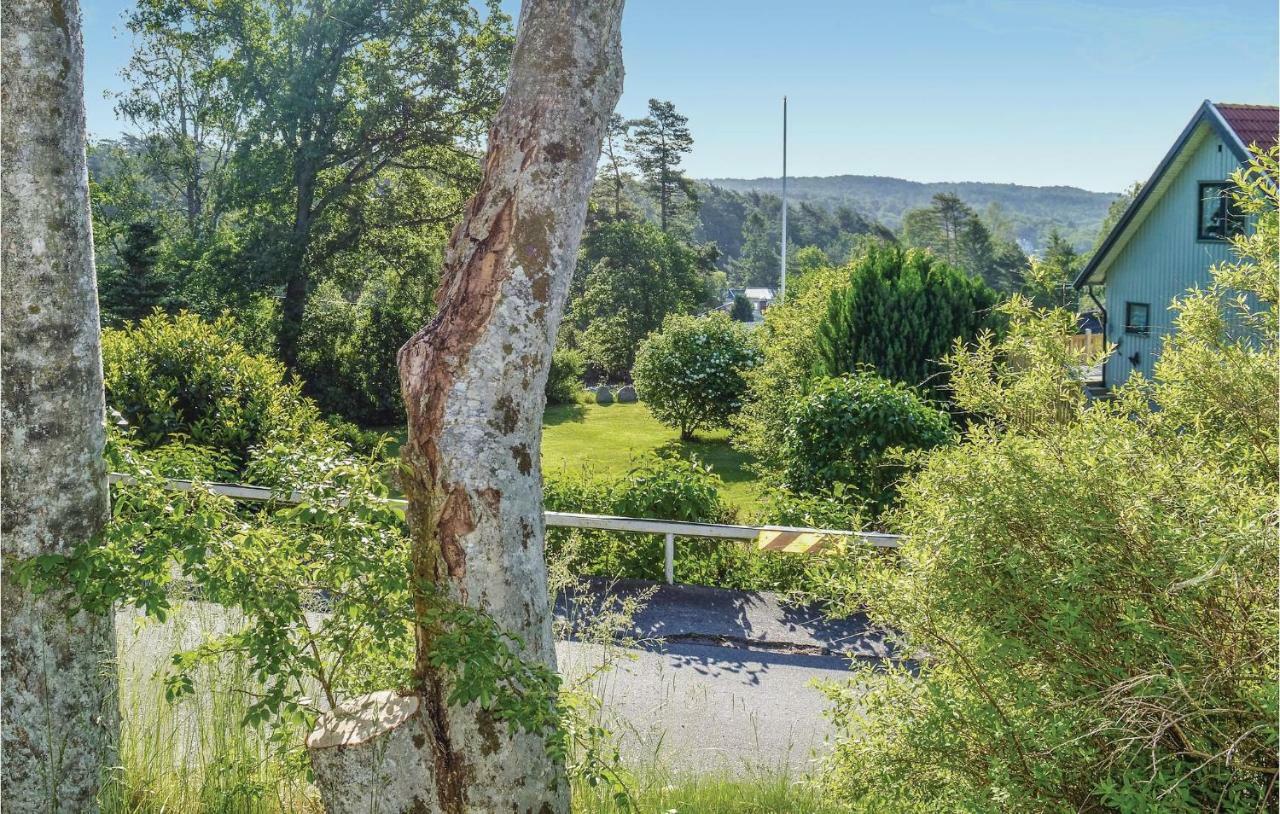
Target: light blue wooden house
1171,235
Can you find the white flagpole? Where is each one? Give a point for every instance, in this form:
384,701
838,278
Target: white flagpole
782,295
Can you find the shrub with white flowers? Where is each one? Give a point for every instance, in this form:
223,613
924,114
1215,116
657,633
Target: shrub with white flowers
690,372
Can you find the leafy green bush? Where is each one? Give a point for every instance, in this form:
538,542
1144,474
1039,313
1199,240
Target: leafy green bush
900,314
852,430
671,488
181,378
788,345
690,374
564,382
742,310
1091,586
834,508
348,349
660,488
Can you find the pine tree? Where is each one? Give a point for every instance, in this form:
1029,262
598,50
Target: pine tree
659,142
615,160
1048,283
133,290
953,231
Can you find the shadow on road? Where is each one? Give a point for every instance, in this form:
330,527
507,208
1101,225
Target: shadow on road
715,631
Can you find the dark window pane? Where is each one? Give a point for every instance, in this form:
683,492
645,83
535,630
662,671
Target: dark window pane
1137,318
1216,218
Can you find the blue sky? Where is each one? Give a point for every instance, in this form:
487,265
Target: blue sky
1089,94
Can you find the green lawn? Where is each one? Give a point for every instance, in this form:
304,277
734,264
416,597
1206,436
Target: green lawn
607,438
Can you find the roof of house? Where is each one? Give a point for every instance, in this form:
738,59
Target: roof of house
1252,124
758,293
1239,126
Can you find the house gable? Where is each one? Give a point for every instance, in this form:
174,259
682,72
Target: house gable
1208,121
1155,254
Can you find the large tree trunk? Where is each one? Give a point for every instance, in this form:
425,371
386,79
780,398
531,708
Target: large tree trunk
473,384
58,707
297,285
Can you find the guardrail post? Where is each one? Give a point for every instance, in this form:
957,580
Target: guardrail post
671,558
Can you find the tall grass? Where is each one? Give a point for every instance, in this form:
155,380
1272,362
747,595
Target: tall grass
194,754
710,794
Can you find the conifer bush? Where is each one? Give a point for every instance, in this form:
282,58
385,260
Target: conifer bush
900,314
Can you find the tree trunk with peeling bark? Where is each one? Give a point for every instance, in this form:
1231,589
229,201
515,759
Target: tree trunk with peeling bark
473,384
58,698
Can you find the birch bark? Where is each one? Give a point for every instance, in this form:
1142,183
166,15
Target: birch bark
58,701
472,382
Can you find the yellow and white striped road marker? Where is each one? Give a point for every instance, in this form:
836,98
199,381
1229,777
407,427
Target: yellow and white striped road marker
793,542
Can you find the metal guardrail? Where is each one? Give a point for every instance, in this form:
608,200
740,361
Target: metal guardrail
670,529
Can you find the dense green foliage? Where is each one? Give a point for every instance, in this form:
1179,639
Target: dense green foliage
759,264
630,276
348,352
855,430
1091,585
901,314
564,381
318,89
135,287
183,379
788,345
673,488
669,488
950,229
279,155
691,373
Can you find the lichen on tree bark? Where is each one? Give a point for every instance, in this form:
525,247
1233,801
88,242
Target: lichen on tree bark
59,715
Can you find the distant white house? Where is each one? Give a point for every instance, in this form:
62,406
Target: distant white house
760,299
1173,232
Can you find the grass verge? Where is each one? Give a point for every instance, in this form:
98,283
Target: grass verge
768,794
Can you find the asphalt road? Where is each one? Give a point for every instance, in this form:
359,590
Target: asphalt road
718,680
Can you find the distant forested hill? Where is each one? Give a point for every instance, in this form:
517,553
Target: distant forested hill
1030,212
